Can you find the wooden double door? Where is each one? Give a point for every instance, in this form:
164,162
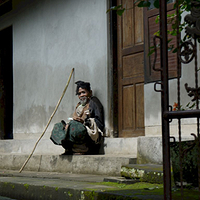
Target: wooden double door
130,67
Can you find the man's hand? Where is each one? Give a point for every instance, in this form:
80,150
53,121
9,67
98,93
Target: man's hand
66,127
78,119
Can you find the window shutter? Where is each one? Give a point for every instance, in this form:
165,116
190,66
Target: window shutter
152,27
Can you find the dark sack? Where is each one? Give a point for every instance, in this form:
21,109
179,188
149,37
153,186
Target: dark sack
58,133
77,132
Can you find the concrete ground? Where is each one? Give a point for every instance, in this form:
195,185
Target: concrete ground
45,186
52,186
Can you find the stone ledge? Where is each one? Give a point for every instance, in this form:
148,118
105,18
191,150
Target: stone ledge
149,149
145,173
81,164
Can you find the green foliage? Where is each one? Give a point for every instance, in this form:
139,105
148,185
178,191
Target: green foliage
119,10
143,3
13,186
189,106
189,158
5,183
90,194
69,194
26,186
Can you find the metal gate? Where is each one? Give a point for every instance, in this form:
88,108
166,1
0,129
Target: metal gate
187,52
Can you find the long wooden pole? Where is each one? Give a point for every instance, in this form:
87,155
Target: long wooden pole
56,108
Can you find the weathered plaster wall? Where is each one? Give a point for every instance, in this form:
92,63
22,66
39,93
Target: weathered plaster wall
49,39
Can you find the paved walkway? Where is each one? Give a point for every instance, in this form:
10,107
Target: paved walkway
45,186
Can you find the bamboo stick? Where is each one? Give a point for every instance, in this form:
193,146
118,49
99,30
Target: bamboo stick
48,122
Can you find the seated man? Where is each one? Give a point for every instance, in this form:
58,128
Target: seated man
85,130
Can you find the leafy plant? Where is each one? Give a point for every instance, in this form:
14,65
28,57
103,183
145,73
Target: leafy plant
189,106
119,10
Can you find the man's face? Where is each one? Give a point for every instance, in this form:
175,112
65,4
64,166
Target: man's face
83,95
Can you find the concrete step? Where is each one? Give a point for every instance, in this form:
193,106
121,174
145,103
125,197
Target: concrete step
45,186
116,146
115,152
81,164
143,172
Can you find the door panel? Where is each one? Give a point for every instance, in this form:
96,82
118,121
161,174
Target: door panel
128,105
127,20
130,71
139,108
133,65
138,25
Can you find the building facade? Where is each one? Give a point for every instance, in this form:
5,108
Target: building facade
42,40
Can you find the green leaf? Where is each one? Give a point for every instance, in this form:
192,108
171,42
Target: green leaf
192,106
187,104
169,40
156,4
114,8
144,4
108,10
174,26
173,32
120,12
157,19
157,33
151,52
175,50
136,1
184,38
170,47
174,5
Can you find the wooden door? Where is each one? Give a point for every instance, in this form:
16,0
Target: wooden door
130,70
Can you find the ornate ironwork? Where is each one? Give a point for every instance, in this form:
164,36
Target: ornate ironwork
191,145
187,52
193,20
193,92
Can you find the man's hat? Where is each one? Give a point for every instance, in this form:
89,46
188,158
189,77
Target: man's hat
83,85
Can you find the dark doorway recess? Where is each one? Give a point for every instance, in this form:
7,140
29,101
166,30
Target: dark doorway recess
113,40
6,84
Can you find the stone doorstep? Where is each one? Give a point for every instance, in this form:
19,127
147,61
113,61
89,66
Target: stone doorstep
109,165
143,172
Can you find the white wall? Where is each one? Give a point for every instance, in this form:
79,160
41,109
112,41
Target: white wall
49,39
